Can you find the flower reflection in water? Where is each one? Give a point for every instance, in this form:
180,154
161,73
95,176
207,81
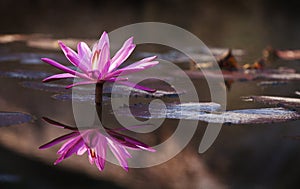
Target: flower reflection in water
95,142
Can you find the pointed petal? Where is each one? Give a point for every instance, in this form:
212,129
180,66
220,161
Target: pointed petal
59,139
101,153
67,145
129,141
83,50
122,54
69,148
103,58
84,55
59,76
135,67
81,83
74,149
58,124
144,63
64,68
103,40
69,53
119,153
81,150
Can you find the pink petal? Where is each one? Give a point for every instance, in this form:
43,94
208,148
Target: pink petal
74,149
59,139
144,63
58,124
103,61
119,153
81,150
101,153
84,55
64,150
129,142
135,67
67,145
103,40
64,68
83,50
69,53
59,76
122,54
81,83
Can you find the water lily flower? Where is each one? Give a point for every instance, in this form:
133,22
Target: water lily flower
95,143
96,65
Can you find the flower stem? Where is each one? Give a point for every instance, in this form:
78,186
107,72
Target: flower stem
98,99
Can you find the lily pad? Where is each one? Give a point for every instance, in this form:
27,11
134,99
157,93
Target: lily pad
14,118
208,112
24,74
291,103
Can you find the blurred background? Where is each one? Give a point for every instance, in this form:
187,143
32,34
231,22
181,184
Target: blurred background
244,156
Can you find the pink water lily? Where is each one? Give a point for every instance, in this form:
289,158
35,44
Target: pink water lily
96,65
95,143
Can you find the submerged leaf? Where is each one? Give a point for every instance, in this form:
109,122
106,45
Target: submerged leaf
13,118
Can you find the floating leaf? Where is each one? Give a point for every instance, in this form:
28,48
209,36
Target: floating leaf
13,118
291,103
24,74
208,112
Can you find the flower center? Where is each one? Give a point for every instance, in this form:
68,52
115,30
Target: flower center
93,153
95,59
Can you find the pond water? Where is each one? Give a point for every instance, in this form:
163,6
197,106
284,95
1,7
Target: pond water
245,155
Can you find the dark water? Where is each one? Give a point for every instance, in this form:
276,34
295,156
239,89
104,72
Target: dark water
243,156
